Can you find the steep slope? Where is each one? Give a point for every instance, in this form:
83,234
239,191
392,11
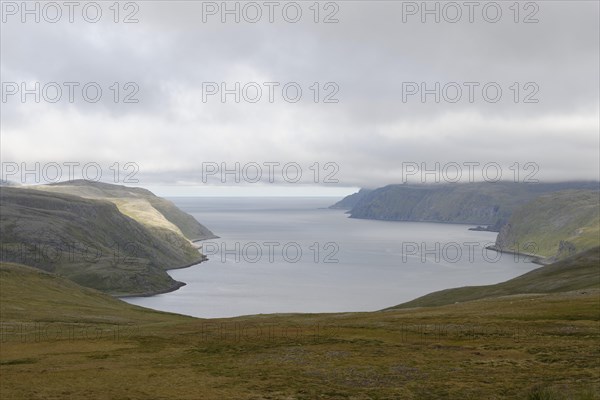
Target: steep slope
473,203
348,202
554,225
89,241
579,272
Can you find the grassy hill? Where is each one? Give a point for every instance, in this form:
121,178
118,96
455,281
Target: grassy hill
61,341
473,203
555,225
579,272
31,295
92,241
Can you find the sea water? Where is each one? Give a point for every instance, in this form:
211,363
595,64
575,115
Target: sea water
291,254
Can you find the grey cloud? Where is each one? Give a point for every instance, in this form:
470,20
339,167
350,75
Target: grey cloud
369,54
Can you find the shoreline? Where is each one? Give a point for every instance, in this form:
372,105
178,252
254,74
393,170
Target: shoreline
173,288
534,259
475,225
178,284
196,242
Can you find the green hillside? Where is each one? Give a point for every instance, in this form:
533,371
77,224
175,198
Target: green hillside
554,225
91,241
30,295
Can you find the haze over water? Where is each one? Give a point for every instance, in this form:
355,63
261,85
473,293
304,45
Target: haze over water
295,255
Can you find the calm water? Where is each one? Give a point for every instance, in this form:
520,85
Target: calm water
279,255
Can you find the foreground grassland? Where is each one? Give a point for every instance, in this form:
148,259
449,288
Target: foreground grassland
62,341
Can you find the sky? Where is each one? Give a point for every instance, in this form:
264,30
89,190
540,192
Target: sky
299,98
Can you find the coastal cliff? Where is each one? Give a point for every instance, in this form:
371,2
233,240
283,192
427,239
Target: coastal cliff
488,204
553,226
111,238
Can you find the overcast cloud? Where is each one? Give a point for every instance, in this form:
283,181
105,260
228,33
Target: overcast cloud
370,133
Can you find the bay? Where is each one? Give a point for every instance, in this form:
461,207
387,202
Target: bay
292,254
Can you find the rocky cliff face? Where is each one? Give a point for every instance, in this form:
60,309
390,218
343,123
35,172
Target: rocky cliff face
488,204
458,204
